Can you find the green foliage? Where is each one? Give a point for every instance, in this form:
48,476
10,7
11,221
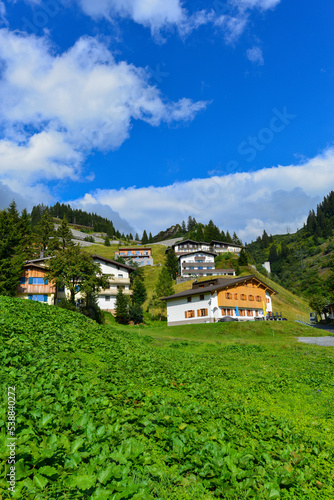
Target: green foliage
243,258
74,216
139,293
122,307
105,413
46,233
172,263
64,235
164,286
77,272
144,239
89,238
136,313
106,242
14,247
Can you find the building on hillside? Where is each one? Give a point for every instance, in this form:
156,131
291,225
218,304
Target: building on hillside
141,256
217,247
200,263
244,298
119,277
34,284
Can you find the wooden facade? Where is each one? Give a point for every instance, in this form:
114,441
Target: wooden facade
246,296
33,283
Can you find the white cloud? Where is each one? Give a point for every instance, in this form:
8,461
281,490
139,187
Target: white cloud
255,55
56,108
3,19
155,14
247,202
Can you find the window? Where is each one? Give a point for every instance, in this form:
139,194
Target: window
228,295
201,297
61,289
189,314
22,280
37,281
38,298
188,299
120,276
258,298
251,298
202,312
77,288
243,296
235,296
107,298
268,301
249,313
242,312
256,313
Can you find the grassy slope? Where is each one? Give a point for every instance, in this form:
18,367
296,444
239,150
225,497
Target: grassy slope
289,304
237,411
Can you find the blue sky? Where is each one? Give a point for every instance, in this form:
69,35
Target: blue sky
148,111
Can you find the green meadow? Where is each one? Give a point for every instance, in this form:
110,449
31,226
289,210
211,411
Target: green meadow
234,410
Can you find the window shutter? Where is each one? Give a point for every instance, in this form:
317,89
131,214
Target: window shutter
206,312
45,298
198,312
46,281
185,314
30,281
30,296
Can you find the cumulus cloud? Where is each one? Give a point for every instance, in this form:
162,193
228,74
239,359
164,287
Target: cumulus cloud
56,108
229,16
247,202
255,55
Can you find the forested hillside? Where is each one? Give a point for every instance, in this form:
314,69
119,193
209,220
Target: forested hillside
302,262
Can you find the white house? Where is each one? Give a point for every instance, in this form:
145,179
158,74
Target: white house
119,277
245,298
200,263
217,247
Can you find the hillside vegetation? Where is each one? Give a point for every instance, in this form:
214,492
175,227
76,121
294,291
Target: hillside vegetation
105,413
303,261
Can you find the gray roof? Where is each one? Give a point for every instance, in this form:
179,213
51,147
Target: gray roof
222,283
114,262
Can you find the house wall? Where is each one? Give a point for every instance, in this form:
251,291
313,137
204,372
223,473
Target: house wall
253,294
177,308
30,291
106,299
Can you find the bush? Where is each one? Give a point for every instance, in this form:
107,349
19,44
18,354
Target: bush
66,304
89,238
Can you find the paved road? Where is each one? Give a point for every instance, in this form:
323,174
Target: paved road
323,341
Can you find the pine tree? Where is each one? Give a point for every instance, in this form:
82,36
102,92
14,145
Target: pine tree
106,242
183,227
228,238
172,263
164,286
237,269
144,239
150,238
45,231
64,234
139,293
235,239
243,258
136,314
11,252
273,255
122,308
136,237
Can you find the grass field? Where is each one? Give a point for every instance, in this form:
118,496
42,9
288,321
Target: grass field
235,411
